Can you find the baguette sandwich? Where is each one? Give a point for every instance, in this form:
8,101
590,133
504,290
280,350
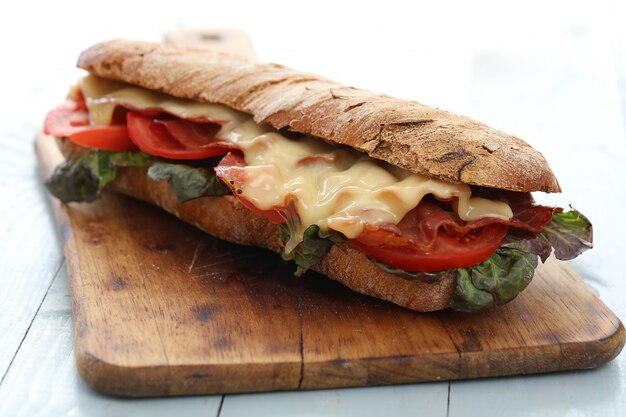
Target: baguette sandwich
397,200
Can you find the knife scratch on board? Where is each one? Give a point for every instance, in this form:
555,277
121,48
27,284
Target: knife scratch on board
195,257
220,260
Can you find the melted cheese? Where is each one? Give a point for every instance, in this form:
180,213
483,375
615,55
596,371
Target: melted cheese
102,96
335,188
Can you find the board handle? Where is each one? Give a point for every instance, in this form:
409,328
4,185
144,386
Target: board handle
231,41
48,155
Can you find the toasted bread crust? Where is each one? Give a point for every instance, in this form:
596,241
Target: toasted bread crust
226,218
421,139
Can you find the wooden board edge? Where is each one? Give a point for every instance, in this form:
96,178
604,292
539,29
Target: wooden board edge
408,369
136,382
376,371
545,359
123,381
594,353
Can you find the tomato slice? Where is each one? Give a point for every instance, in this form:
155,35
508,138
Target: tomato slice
430,238
448,251
71,120
110,138
66,119
175,138
232,171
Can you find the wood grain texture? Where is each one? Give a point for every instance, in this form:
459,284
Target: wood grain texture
162,309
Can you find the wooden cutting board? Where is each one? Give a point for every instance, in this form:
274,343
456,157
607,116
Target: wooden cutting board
161,308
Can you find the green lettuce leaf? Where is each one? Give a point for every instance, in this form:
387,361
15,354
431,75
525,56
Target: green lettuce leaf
311,250
496,281
130,159
102,168
188,182
83,178
74,181
569,233
536,245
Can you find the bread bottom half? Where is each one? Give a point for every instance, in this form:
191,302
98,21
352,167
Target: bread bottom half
226,218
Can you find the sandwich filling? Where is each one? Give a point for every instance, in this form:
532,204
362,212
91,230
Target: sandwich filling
334,188
315,190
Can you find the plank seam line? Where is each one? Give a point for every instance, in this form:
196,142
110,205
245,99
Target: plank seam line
54,278
448,404
457,348
219,409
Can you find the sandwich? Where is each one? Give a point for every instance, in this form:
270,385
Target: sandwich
395,199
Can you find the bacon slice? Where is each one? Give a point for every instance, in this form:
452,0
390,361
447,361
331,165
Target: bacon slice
421,225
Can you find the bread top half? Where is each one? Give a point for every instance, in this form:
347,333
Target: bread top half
421,139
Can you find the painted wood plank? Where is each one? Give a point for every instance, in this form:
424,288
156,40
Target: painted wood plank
29,250
596,393
618,43
43,379
429,399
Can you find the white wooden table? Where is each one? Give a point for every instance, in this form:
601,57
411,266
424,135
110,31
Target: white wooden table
554,74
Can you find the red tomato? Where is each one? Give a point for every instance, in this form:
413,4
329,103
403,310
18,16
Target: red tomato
231,171
110,138
71,120
65,119
447,251
175,138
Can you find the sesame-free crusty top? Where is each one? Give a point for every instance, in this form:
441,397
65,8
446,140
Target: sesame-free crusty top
419,138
